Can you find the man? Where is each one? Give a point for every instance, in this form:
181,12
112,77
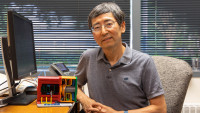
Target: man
119,79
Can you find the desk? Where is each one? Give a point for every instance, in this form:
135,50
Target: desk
32,108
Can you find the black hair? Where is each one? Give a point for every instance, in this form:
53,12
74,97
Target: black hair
106,7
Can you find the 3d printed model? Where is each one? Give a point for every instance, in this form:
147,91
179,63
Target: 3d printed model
56,91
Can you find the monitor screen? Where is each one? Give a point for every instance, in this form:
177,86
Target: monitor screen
21,42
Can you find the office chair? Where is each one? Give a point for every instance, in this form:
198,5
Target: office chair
175,75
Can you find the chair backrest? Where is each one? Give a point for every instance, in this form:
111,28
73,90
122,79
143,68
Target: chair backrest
175,75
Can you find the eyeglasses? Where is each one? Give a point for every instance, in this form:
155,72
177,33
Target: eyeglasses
107,25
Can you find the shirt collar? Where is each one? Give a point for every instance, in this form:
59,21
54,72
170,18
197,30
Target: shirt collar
125,59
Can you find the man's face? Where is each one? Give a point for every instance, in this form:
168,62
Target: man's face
106,31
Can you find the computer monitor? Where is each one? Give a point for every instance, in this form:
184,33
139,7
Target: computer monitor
18,53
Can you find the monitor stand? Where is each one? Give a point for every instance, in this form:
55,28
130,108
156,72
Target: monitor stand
22,99
19,99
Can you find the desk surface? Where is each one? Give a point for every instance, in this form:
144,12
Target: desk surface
32,108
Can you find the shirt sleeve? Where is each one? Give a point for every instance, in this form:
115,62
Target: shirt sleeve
81,70
151,82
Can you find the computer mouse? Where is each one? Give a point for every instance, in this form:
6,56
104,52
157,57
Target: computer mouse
32,90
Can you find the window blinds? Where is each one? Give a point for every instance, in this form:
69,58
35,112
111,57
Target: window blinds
60,27
171,28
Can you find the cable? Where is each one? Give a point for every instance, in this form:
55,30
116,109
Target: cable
38,76
6,90
3,82
31,79
3,89
17,83
44,73
40,73
9,88
28,80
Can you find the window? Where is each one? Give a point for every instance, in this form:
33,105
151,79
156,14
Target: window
60,27
171,28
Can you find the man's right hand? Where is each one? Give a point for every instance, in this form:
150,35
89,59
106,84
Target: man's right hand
87,104
85,101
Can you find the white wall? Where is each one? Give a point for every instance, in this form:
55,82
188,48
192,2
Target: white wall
193,92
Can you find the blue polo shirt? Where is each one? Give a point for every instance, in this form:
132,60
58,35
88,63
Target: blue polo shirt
128,84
